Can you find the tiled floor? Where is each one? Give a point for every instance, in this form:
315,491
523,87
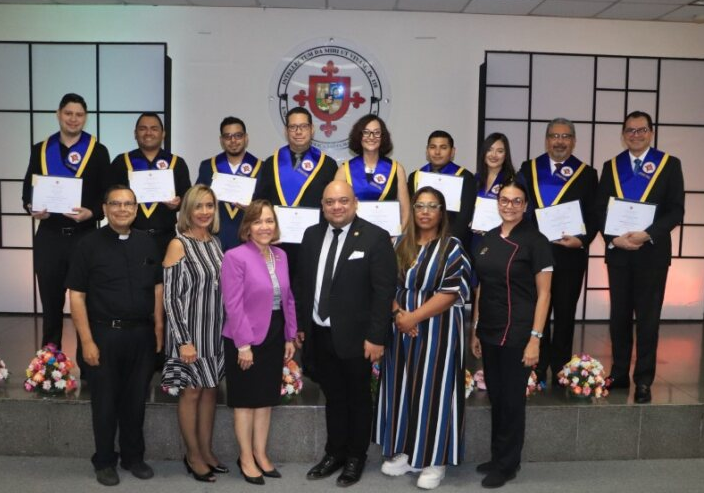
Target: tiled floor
679,379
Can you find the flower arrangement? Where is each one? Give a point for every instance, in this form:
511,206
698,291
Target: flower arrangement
468,384
4,373
479,380
376,374
50,371
533,384
584,376
291,381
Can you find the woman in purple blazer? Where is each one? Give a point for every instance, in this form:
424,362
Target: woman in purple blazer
260,327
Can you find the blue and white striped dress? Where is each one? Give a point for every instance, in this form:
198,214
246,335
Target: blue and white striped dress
194,313
421,393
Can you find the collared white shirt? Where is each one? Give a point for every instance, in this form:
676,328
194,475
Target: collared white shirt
321,267
641,157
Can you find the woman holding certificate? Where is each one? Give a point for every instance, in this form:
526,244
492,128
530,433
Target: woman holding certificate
372,175
420,420
194,362
259,331
514,267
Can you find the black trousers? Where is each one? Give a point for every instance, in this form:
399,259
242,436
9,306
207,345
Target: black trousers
640,290
506,379
348,402
52,254
558,336
119,387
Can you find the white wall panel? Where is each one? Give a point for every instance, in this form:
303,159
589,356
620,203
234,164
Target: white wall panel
687,143
17,231
643,74
562,85
508,69
610,106
58,69
681,98
131,78
16,296
611,73
506,102
14,76
14,144
642,101
11,197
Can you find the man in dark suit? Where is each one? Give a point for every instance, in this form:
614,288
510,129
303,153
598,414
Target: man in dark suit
557,177
345,286
638,261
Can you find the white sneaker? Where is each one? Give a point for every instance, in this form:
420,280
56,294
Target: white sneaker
397,466
430,477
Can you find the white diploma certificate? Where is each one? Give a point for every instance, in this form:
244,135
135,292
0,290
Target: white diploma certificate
386,215
233,188
293,221
56,193
623,216
558,220
450,186
486,215
154,185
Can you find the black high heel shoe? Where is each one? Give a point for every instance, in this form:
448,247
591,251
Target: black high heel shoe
269,474
250,479
208,477
219,469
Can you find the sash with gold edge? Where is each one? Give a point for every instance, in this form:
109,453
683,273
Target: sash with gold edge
291,183
378,187
549,188
637,186
76,160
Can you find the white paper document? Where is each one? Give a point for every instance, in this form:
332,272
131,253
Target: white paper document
559,220
56,193
486,214
450,186
293,221
233,188
386,215
154,185
623,216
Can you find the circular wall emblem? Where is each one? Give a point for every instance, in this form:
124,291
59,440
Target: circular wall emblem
337,81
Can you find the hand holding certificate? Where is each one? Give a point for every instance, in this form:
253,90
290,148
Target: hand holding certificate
233,188
293,221
450,186
624,216
561,220
386,215
153,185
56,194
486,215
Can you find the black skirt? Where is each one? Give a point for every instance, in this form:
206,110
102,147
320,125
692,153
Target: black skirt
260,385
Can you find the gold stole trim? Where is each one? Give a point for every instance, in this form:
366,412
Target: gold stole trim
277,180
617,180
567,185
84,162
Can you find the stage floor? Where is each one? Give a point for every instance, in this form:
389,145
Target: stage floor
679,379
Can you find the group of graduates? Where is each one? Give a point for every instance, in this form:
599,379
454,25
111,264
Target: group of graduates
300,175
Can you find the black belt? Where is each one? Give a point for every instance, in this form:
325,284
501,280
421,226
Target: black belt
124,324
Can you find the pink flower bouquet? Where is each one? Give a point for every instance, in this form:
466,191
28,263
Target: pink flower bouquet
4,373
584,376
533,384
291,381
50,372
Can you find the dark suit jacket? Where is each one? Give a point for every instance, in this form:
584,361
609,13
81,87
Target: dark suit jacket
668,194
584,190
362,289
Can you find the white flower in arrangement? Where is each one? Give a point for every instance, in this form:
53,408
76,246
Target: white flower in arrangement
4,373
286,370
46,385
60,384
173,390
575,380
591,380
289,389
56,375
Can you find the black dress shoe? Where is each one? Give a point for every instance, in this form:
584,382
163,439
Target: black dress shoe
140,470
259,480
352,472
107,476
325,467
642,395
618,382
486,467
208,477
268,474
497,478
219,469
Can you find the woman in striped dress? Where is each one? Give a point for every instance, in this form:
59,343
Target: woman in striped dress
194,317
420,421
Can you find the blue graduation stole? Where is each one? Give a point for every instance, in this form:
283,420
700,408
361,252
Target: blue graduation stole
493,191
449,169
378,187
637,186
549,188
137,162
76,160
291,183
248,167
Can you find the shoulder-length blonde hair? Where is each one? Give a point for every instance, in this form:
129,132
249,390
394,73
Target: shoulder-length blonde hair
190,200
407,248
254,212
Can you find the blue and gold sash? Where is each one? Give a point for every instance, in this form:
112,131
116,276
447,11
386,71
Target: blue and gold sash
76,160
449,169
291,183
493,191
637,186
549,188
137,162
248,167
378,187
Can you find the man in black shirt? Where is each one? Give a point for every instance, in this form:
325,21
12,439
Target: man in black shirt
116,291
158,219
72,153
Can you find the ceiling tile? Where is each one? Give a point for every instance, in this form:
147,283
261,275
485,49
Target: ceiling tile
362,4
432,5
157,3
636,11
222,3
567,8
663,2
686,14
294,4
507,7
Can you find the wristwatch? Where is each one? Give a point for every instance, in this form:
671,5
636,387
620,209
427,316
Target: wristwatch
537,334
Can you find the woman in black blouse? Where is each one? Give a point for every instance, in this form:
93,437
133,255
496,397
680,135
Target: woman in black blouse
514,266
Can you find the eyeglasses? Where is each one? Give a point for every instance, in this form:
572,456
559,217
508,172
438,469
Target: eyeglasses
371,133
119,205
560,136
636,131
303,127
235,136
516,202
430,206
